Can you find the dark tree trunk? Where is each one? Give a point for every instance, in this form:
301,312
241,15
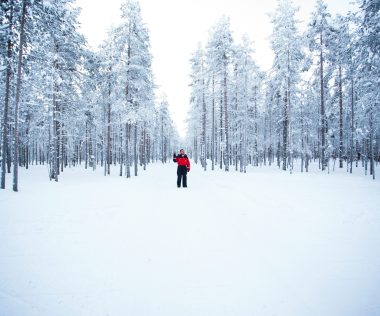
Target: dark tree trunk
144,151
135,158
8,75
27,122
18,91
127,157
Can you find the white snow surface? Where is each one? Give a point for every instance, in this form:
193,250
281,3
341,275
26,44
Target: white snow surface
262,243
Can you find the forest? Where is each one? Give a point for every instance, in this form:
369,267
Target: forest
319,102
64,105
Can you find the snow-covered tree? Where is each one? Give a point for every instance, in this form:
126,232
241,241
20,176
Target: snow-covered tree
286,45
368,47
319,36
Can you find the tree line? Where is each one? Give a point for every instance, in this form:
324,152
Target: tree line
64,104
318,102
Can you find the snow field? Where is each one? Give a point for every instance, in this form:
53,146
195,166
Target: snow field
261,243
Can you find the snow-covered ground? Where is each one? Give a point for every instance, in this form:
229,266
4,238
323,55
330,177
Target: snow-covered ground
261,243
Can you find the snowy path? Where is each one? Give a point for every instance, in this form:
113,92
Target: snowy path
262,243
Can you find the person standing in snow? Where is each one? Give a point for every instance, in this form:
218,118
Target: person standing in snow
183,168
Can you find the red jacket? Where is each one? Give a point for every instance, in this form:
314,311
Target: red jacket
182,160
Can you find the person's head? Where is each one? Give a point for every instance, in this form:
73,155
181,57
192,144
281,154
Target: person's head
181,151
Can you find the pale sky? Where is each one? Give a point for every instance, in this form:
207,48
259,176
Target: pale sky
177,26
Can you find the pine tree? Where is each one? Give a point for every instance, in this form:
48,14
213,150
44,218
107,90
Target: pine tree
198,101
369,56
220,49
17,98
319,36
7,8
286,44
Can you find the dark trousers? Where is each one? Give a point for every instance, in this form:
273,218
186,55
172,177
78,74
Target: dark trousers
182,174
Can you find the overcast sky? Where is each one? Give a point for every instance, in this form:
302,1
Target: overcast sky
177,26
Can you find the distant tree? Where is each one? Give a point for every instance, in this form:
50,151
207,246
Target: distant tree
198,103
220,49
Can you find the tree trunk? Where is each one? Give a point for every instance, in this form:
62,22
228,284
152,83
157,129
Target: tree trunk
256,130
86,146
135,158
54,161
213,125
245,125
285,132
289,108
221,133
8,75
323,114
54,143
340,118
352,125
109,127
162,140
226,124
27,129
62,143
127,157
271,144
144,151
371,151
121,151
302,138
203,145
18,91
